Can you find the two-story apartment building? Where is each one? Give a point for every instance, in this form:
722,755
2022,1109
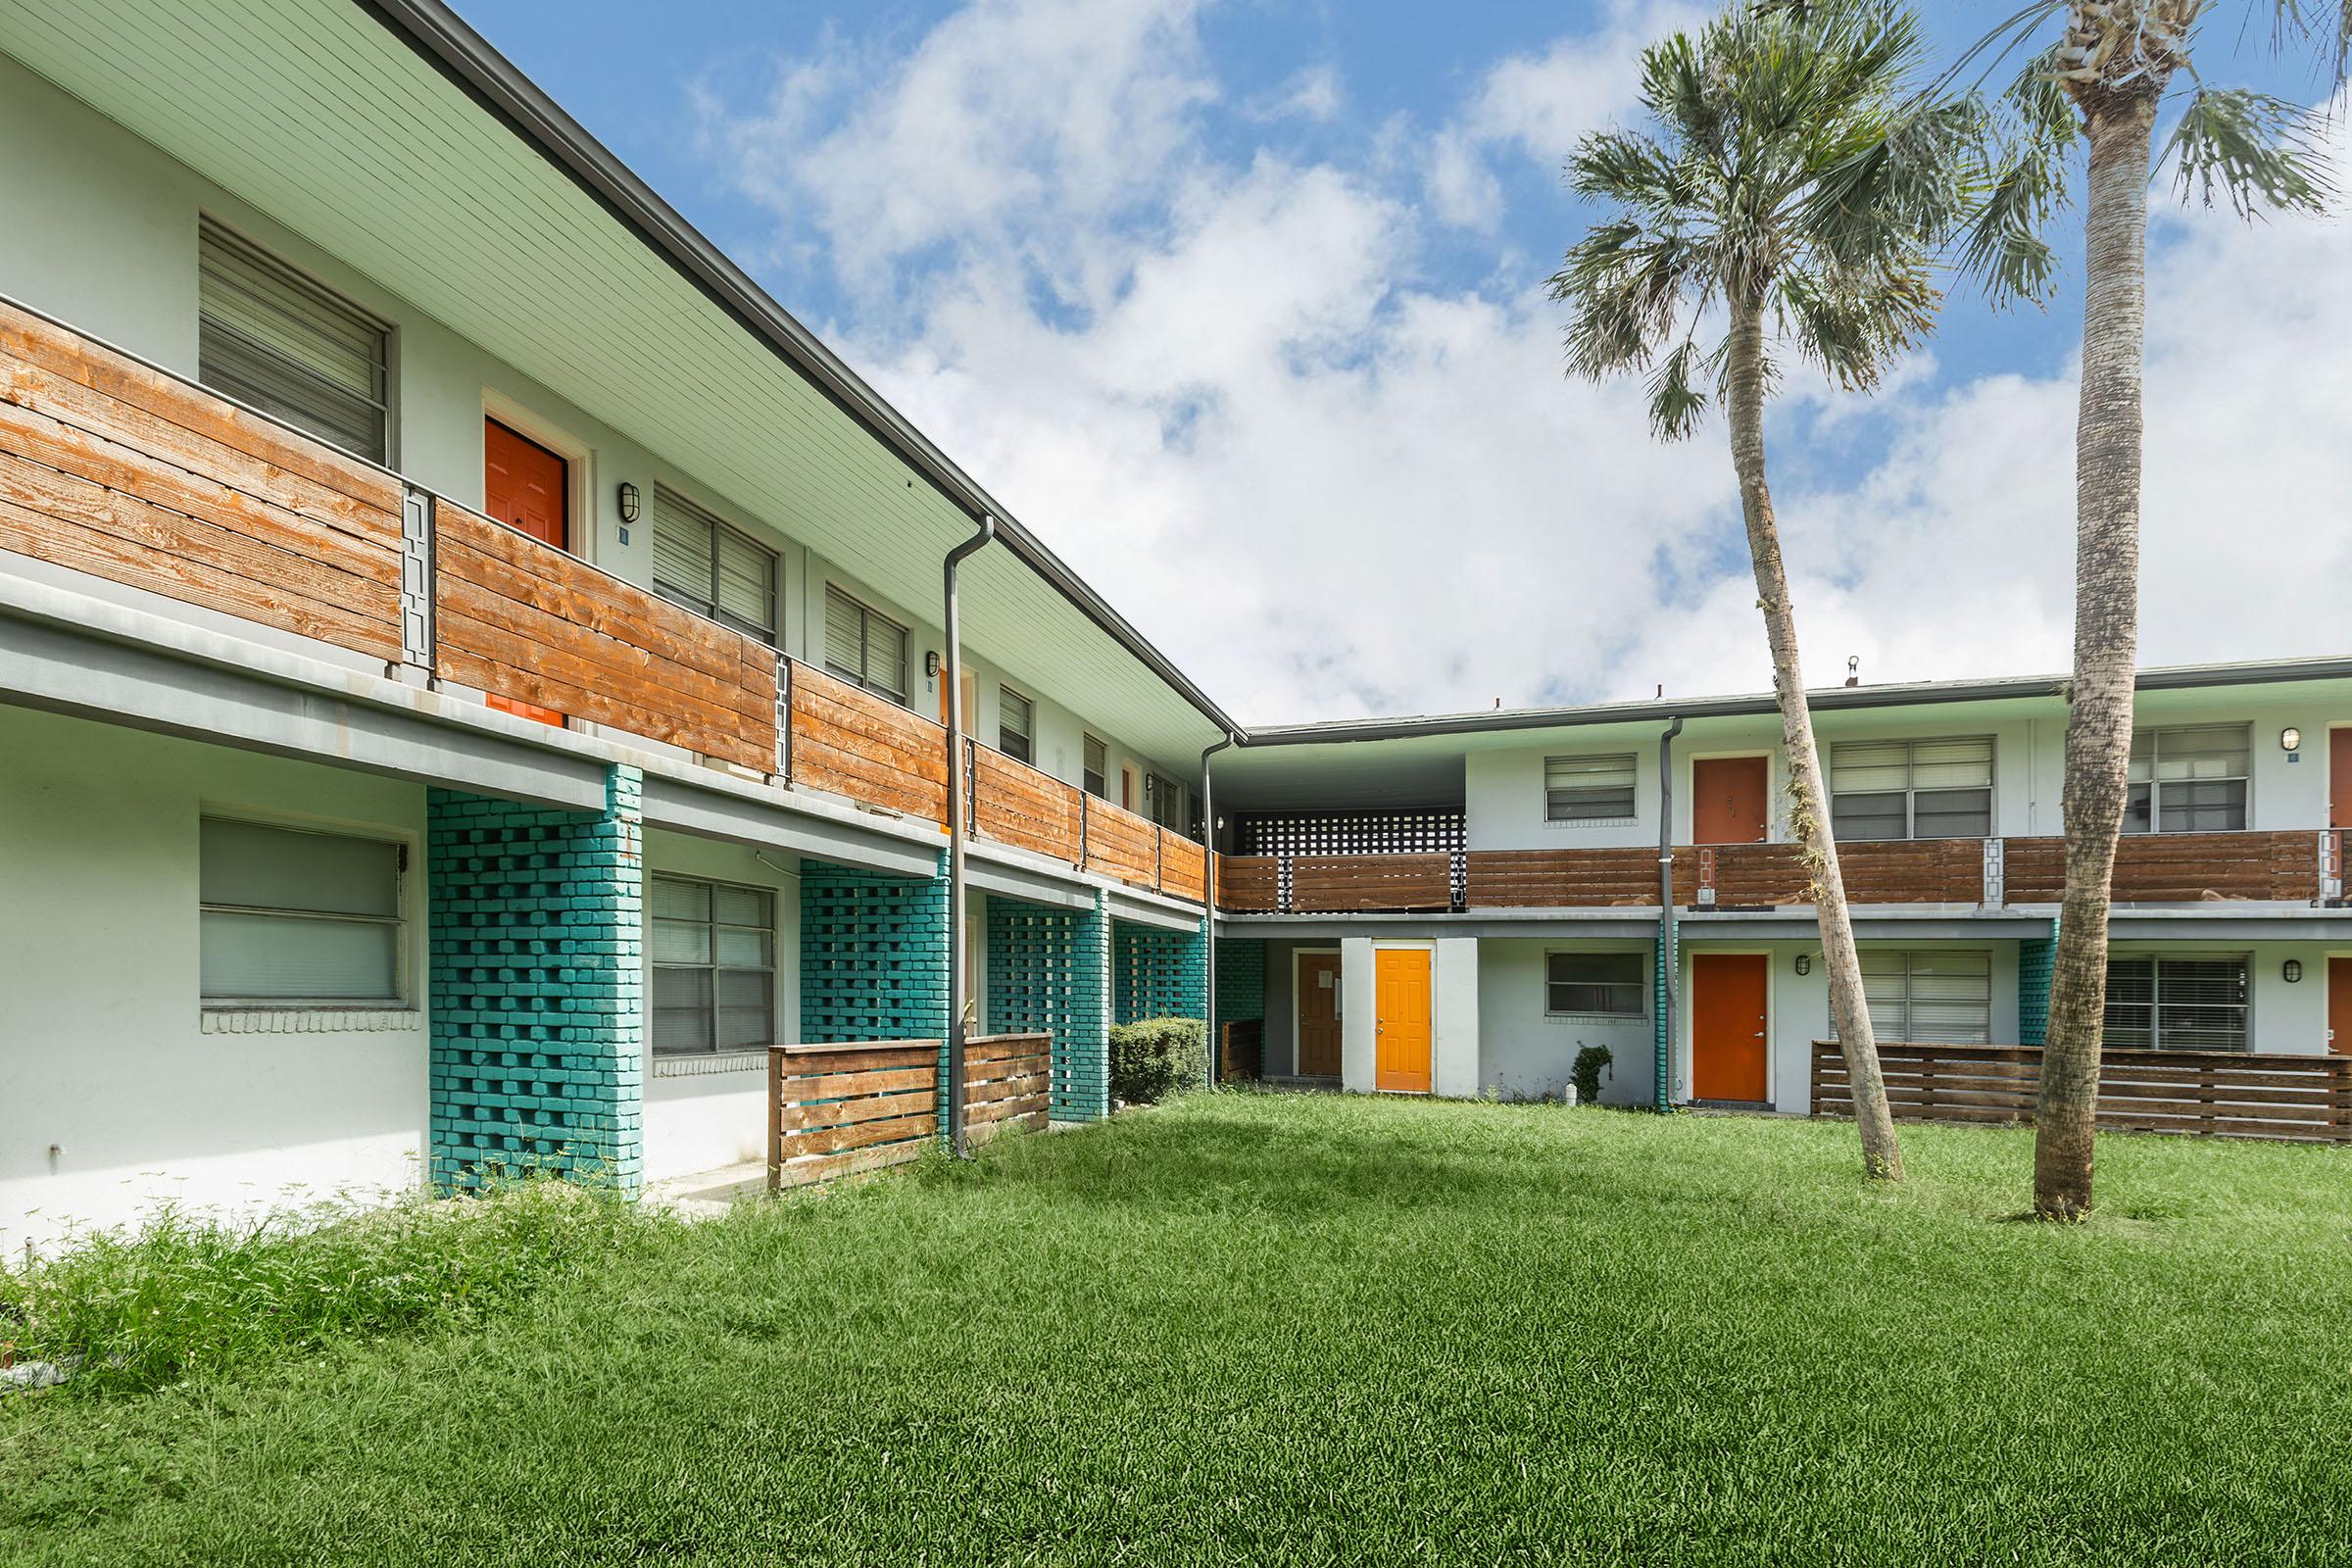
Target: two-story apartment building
1495,879
471,665
472,677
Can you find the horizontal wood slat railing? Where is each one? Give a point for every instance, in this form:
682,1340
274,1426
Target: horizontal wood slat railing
838,1109
2179,867
1549,879
113,467
851,743
1183,866
1250,884
1350,883
521,619
2209,1094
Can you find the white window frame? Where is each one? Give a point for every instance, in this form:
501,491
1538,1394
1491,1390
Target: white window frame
2155,784
1910,791
403,986
708,607
1095,779
1593,760
868,617
1643,986
1008,702
714,968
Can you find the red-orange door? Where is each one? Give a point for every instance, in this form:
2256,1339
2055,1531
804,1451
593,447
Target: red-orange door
2339,1007
522,483
1727,1026
1727,800
2339,778
1318,1016
1401,1061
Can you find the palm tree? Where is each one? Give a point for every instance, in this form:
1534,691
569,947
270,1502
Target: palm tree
2106,79
1795,197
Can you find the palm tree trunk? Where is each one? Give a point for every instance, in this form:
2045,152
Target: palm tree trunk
1882,1157
2099,727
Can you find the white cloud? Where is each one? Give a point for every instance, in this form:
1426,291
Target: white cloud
1311,92
1327,485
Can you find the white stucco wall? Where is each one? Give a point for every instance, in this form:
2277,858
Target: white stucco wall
117,1094
1454,1024
1357,1015
1526,1052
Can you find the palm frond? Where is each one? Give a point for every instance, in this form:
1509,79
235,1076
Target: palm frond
2256,152
1676,405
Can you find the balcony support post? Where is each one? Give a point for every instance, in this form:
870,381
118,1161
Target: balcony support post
415,587
959,770
1208,907
1669,977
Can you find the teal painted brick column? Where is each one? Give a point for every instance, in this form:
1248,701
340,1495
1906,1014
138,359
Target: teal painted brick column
2036,960
1241,980
535,941
1664,972
875,959
1157,973
1048,972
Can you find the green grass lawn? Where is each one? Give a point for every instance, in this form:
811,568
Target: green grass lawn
1299,1328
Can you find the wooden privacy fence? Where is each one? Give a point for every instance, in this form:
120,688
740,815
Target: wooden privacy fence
837,1110
2207,1094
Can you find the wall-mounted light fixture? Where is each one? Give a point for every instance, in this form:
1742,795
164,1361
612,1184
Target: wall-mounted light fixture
2290,739
2291,970
931,664
1805,964
629,499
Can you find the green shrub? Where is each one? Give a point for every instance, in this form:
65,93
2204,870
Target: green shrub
181,1295
1586,1073
1152,1058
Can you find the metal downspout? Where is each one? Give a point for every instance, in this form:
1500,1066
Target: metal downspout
952,671
1208,902
1669,975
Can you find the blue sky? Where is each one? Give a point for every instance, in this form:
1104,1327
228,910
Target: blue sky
1238,305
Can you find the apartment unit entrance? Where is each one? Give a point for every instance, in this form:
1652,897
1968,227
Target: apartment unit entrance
1729,802
526,487
1730,995
1318,1023
2339,1007
1401,1026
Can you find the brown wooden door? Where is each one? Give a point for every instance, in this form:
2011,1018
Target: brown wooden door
1728,799
1318,1016
524,484
1400,1029
2339,1007
2339,778
1728,997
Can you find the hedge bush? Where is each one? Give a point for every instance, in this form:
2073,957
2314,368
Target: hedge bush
1152,1058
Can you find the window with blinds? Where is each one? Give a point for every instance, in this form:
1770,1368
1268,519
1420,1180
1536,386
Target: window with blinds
291,917
1097,768
1589,789
269,337
1167,803
1928,996
1016,721
701,563
1604,985
2176,1004
715,970
2189,781
863,647
1928,789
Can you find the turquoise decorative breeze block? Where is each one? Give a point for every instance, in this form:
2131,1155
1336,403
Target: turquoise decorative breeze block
536,943
2037,961
1048,971
1157,973
873,955
1241,980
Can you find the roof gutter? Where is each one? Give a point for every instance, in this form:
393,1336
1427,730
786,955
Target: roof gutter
443,41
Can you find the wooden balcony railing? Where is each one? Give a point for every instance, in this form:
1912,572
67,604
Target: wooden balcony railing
2208,1094
112,467
2295,867
2179,867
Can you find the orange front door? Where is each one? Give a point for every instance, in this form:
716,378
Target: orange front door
1400,1019
2339,1007
1727,1026
1727,800
522,485
2339,778
1318,1016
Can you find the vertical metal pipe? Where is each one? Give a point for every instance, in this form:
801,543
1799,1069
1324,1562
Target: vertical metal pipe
1669,969
1208,904
952,671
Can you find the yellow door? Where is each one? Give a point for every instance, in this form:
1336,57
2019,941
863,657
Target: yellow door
1400,1053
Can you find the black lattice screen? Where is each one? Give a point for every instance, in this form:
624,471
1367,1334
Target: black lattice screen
1383,830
